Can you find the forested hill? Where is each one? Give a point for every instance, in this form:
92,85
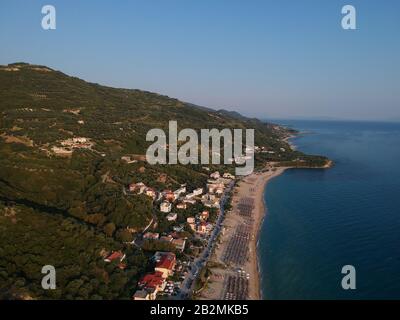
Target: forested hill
67,204
108,112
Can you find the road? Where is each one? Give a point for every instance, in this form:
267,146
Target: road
201,260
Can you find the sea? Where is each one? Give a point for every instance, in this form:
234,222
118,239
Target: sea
320,220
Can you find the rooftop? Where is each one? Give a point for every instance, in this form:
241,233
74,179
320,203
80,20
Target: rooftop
167,261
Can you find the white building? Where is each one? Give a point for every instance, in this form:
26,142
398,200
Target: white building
179,191
172,216
139,187
197,191
213,187
165,207
190,196
191,201
181,205
215,175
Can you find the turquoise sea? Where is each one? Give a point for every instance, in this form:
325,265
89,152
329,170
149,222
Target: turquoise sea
320,220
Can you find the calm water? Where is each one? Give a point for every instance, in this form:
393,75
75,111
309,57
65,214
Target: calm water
320,220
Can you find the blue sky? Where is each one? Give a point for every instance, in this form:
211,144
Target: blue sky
278,59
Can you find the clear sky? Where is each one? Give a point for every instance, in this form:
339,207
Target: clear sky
279,59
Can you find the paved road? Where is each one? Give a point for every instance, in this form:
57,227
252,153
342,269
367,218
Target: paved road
200,262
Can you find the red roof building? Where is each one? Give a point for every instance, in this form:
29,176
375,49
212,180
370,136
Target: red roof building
204,215
169,195
166,264
114,256
153,280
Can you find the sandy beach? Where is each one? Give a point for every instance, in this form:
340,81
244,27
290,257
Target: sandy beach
235,270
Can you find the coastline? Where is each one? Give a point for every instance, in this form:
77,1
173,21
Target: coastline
249,187
249,208
260,212
259,216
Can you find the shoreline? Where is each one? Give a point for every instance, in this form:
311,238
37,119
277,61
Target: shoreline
260,215
249,209
259,218
250,188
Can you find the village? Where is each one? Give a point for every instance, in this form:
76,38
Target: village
182,237
174,270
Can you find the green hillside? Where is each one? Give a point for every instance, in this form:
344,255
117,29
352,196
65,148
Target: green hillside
72,206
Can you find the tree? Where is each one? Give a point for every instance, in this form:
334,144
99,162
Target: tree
124,235
109,229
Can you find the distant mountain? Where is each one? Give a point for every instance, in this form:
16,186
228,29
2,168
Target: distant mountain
231,114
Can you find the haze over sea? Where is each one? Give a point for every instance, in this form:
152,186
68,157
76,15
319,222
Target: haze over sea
320,220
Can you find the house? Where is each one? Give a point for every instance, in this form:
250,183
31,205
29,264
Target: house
179,191
165,207
172,216
166,264
151,236
128,159
213,187
169,195
115,255
190,196
150,192
211,203
78,143
208,203
215,175
137,187
197,191
80,140
181,205
204,216
191,201
178,228
152,283
179,244
62,151
190,220
208,196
